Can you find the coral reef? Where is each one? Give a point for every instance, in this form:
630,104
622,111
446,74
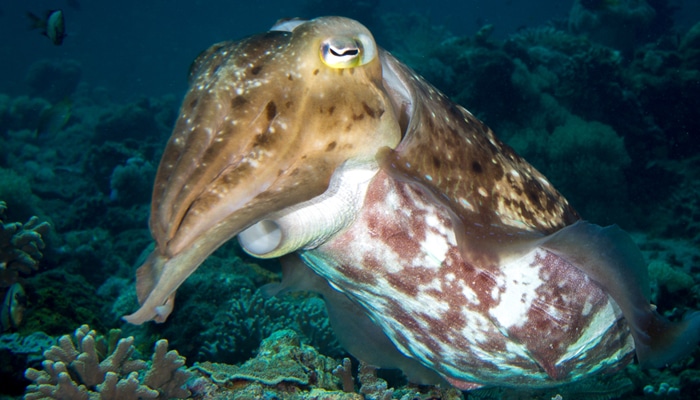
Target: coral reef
612,23
131,182
249,317
21,113
373,388
690,46
53,79
669,278
16,193
299,372
284,350
20,247
668,78
296,366
139,121
58,300
591,152
88,366
665,391
605,109
17,353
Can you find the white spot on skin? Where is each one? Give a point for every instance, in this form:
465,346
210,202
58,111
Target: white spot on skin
587,307
519,281
466,204
435,284
476,328
468,293
434,248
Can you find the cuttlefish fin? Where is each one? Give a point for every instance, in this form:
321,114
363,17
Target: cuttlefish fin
353,328
611,259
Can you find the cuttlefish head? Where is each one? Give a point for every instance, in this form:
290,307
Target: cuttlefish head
265,125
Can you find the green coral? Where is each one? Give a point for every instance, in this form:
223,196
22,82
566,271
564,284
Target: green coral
20,247
59,301
666,276
690,45
585,160
237,330
16,192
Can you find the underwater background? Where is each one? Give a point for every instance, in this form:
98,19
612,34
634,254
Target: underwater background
608,111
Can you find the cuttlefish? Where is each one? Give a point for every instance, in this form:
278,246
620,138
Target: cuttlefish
437,248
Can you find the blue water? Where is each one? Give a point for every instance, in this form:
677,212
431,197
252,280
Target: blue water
136,48
611,120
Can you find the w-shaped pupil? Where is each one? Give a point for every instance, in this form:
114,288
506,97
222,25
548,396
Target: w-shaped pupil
346,52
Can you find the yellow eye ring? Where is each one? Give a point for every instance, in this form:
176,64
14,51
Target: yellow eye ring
348,52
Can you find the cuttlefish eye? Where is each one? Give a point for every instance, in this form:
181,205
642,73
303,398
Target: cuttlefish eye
348,52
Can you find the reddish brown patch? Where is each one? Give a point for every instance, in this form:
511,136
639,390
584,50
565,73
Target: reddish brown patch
557,314
463,385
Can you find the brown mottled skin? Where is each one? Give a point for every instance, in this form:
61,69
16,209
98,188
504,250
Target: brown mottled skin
263,127
467,161
208,151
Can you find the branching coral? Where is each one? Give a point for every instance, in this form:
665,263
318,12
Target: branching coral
237,331
20,247
88,366
130,183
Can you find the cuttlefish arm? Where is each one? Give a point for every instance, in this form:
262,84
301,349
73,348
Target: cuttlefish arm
503,207
266,123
